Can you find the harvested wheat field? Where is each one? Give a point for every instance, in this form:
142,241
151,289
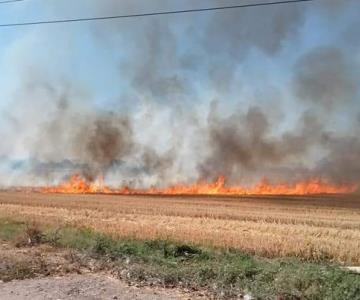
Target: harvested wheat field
308,227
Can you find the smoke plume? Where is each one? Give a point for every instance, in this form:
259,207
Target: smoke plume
326,77
133,101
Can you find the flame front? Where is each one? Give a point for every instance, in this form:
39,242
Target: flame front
78,185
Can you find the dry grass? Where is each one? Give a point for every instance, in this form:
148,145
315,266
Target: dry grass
306,227
40,260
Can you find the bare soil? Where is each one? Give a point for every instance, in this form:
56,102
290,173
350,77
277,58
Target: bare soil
90,286
44,272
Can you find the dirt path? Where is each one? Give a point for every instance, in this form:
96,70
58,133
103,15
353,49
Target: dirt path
80,287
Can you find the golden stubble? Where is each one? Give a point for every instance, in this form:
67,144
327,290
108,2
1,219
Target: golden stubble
305,227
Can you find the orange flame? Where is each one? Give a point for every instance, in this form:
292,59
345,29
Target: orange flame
78,185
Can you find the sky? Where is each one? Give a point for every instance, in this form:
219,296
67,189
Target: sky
246,93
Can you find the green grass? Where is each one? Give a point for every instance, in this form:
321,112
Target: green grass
10,229
225,274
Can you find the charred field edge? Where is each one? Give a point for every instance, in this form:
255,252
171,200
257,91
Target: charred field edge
318,199
222,274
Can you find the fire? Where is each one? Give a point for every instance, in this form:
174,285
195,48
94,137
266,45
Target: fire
78,185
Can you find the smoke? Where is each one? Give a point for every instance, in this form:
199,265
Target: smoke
235,33
243,144
133,101
103,142
325,77
342,164
238,142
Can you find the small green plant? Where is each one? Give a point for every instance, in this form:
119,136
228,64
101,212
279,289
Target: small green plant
52,237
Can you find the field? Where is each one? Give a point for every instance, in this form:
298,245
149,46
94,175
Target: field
310,228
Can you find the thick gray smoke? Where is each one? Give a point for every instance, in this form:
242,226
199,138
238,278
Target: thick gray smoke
342,164
243,145
103,142
161,125
325,76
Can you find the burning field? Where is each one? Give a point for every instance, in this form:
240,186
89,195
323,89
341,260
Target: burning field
184,124
78,185
263,116
191,144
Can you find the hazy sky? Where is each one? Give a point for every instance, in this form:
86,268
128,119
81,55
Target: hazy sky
178,80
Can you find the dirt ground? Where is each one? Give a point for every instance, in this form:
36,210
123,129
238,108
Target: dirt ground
43,272
81,287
